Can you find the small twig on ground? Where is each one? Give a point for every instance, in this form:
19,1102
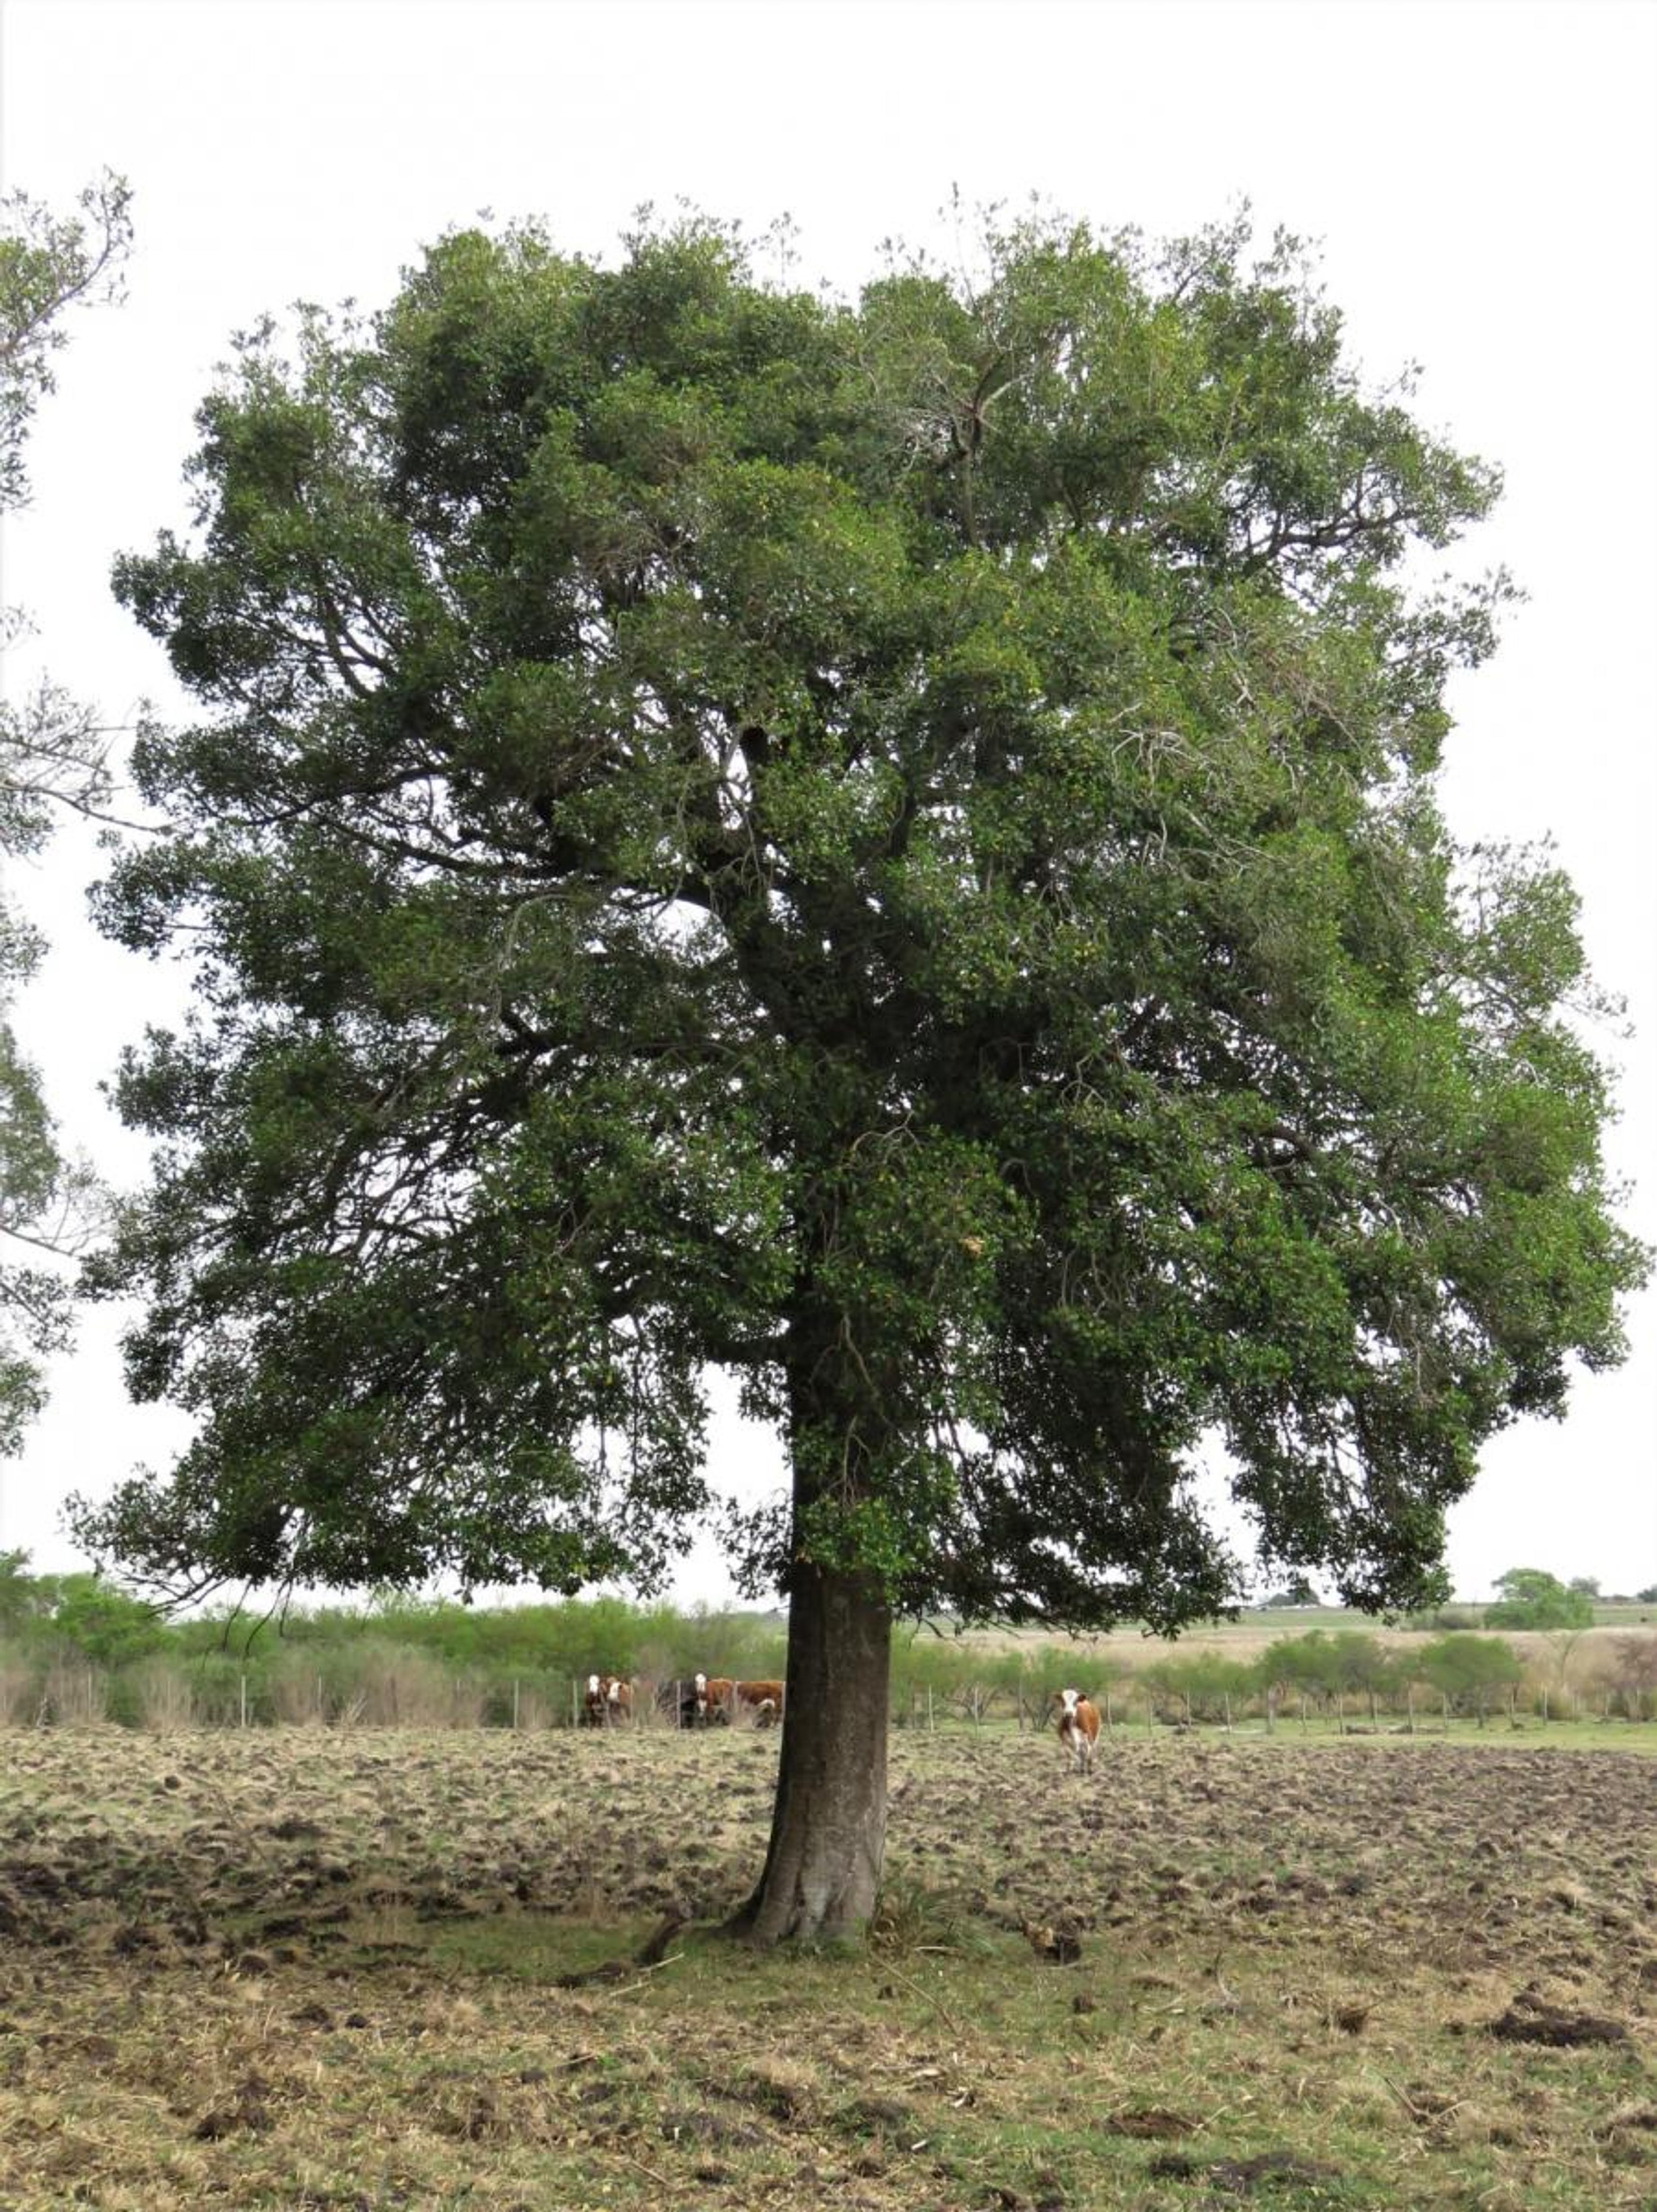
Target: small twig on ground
621,1970
660,2179
657,1968
1418,2113
942,2010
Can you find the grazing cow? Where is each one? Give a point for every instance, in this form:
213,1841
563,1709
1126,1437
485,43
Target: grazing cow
713,1695
609,1699
719,1698
762,1699
1079,1729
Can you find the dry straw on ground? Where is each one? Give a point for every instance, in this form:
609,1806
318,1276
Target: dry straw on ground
310,1967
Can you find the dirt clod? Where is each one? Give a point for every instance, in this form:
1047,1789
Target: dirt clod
1531,2019
1149,2124
1056,1946
1243,2176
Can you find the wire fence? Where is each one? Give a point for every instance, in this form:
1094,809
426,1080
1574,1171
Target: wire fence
1351,1684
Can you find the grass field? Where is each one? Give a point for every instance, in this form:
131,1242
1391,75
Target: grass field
1247,1637
311,1968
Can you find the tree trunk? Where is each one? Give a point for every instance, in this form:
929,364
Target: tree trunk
829,1826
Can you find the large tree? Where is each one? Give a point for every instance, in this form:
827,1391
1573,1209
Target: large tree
54,755
888,849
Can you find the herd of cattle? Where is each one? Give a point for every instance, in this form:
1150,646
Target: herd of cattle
716,1700
697,1701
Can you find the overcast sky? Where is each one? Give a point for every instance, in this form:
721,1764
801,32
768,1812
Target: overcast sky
1483,180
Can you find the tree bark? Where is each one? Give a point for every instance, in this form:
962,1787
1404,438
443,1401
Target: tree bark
829,1826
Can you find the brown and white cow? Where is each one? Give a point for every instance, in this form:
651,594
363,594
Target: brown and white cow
718,1697
762,1699
1079,1729
713,1695
609,1699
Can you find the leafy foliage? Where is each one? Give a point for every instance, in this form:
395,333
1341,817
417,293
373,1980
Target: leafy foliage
1468,1671
51,753
888,847
85,1612
1531,1598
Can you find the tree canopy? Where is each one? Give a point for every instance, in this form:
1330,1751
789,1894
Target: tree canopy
886,846
1529,1597
52,753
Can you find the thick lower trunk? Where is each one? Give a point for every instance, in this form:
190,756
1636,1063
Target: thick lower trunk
829,1828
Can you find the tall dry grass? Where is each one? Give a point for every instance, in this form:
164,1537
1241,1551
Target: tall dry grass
19,1693
74,1695
163,1696
391,1688
297,1694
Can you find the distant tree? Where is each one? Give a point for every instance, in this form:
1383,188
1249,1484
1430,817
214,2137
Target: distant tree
1648,1595
21,1598
1212,1684
1586,1586
101,1622
104,1624
52,753
1446,1616
1362,1665
888,847
1529,1598
1470,1672
1302,1665
1296,1593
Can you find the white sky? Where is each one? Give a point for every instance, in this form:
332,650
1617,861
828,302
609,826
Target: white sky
1483,181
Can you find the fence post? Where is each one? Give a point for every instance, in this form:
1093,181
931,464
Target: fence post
932,1725
514,1701
244,1700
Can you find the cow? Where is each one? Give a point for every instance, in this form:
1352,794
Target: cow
711,1699
762,1699
1079,1729
718,1697
608,1699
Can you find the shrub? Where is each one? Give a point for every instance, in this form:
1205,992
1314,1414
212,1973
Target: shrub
1532,1599
1469,1672
1633,1671
1446,1618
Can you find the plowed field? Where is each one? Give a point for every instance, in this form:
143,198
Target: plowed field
311,1968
